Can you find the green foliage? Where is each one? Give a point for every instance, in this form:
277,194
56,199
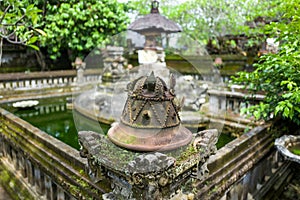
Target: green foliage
57,25
19,22
210,19
277,75
79,26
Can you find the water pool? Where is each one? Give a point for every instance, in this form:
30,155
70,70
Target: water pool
52,116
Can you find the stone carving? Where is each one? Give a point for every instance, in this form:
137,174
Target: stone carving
286,144
205,141
114,63
139,175
150,120
150,93
151,162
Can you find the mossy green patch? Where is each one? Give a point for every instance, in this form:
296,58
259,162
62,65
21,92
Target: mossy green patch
189,151
13,185
130,139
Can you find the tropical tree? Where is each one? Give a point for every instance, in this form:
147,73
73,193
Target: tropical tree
277,75
79,26
19,23
57,26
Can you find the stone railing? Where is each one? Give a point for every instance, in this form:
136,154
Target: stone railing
264,180
231,101
34,165
246,166
38,80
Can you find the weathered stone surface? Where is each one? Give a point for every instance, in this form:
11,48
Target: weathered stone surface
150,119
151,162
284,143
143,175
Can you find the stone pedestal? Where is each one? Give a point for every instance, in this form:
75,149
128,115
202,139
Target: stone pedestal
152,175
114,63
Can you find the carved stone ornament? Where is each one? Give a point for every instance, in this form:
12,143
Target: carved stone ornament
150,119
140,175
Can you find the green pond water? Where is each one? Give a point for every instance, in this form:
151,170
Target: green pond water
52,116
295,149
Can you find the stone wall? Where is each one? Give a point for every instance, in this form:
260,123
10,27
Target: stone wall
234,161
40,80
45,167
48,169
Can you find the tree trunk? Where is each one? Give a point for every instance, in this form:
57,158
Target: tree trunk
41,60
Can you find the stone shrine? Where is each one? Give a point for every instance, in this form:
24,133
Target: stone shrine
148,154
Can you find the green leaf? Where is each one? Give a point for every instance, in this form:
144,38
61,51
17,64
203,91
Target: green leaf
34,47
286,112
289,105
53,57
287,95
256,115
277,110
32,40
40,32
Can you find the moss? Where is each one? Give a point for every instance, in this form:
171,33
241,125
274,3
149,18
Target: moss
13,185
190,150
130,140
82,189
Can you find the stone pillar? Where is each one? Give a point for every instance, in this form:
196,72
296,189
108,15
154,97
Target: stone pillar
30,172
147,176
80,67
38,179
60,193
15,158
22,164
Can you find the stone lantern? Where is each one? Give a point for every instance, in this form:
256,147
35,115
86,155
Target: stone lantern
150,119
152,26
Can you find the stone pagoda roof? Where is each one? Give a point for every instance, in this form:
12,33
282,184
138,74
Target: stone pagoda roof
154,22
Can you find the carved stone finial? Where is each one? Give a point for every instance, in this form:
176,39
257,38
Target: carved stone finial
150,120
150,82
154,7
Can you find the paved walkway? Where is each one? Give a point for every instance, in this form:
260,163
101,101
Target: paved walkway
4,195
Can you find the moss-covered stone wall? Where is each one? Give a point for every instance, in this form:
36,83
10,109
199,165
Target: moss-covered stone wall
42,158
